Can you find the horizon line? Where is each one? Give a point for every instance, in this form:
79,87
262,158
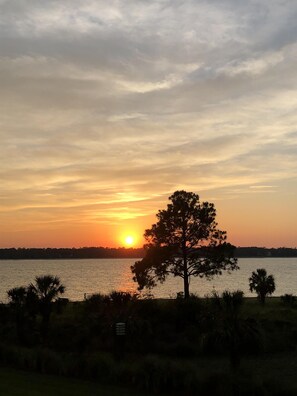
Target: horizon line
134,248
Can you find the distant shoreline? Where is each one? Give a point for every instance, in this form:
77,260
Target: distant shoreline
121,253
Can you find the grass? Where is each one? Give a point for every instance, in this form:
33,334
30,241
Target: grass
278,369
22,383
273,309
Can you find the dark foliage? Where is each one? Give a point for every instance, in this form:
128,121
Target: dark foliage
185,242
265,252
262,284
232,333
178,346
102,252
289,299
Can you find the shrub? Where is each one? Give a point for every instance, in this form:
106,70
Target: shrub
121,298
262,284
288,299
96,302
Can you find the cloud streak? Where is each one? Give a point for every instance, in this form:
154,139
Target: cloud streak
107,108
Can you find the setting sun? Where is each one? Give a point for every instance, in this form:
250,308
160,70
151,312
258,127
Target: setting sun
130,236
129,240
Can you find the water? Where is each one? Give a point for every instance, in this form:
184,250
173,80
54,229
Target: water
104,275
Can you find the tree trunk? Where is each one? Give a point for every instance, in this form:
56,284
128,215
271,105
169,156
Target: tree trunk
262,298
186,286
186,277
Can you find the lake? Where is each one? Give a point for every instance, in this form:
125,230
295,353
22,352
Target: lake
103,275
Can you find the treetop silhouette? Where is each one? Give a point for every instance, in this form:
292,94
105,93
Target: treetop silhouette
184,242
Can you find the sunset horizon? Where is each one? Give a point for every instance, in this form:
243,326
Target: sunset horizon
108,108
148,202
115,236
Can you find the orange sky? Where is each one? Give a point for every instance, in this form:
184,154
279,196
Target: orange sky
107,108
250,220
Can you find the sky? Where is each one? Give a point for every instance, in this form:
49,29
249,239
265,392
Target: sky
108,107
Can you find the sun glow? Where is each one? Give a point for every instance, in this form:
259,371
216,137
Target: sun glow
130,236
129,240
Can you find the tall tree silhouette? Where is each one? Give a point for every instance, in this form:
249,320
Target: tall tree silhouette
184,242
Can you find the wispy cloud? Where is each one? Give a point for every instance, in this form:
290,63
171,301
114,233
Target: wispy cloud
108,107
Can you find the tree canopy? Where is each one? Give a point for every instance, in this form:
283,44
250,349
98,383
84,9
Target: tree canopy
184,242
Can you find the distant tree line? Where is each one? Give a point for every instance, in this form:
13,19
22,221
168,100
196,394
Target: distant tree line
265,252
102,252
68,253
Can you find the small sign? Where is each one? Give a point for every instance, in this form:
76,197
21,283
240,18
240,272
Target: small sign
120,329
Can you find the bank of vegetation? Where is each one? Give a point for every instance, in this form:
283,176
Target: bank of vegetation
219,345
69,253
103,252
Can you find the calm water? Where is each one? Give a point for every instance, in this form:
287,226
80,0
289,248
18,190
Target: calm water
104,275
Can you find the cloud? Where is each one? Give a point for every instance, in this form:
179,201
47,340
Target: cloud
120,103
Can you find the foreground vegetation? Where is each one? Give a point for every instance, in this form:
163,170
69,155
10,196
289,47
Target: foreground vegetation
220,345
21,383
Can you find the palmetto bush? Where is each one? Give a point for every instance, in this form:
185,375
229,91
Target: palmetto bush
262,284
